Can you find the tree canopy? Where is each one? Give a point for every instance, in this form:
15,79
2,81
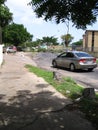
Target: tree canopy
5,17
45,40
80,12
5,14
50,40
78,43
16,34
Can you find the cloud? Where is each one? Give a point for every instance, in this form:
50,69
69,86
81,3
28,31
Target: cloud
20,4
23,13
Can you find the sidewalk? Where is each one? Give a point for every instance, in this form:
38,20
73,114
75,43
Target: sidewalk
27,102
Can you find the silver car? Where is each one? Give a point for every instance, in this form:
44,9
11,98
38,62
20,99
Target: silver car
75,60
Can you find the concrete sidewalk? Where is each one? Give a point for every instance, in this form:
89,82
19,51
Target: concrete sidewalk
27,102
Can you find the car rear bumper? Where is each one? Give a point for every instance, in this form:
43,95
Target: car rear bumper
83,66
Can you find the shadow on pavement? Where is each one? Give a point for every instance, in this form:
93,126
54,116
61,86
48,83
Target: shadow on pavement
25,107
37,111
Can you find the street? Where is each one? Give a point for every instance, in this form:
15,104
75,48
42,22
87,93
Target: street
85,78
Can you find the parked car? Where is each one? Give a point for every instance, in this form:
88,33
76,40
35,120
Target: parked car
11,49
75,60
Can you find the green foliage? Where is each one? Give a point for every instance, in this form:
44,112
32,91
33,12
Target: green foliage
66,39
78,43
80,12
16,34
5,14
41,50
47,75
36,43
67,84
2,1
44,41
50,40
5,17
69,88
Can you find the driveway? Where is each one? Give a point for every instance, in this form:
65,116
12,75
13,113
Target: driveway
27,102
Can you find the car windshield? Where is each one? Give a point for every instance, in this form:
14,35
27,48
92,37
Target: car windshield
82,54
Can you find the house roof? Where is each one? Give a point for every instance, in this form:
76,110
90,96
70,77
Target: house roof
91,31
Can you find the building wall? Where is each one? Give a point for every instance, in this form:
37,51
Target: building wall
84,41
96,39
90,40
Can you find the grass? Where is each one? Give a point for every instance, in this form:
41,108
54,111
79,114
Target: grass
97,61
69,88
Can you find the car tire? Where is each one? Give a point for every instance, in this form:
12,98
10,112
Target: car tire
54,64
72,67
90,69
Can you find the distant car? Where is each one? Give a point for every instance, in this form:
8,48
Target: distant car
11,49
75,60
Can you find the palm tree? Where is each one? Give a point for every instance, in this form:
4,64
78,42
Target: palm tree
67,39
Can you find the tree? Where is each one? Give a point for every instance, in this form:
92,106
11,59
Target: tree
66,39
16,34
5,17
80,12
35,43
38,42
50,40
78,43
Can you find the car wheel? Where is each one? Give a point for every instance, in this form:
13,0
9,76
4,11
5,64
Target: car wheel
54,64
72,67
90,69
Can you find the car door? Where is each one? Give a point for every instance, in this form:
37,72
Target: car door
69,58
60,59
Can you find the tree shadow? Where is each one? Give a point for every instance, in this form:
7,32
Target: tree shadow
43,110
26,106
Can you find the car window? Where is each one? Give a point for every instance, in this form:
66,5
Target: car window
70,55
63,55
82,54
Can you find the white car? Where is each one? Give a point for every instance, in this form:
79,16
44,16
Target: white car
10,49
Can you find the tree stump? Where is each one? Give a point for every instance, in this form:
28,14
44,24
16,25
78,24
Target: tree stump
56,76
88,93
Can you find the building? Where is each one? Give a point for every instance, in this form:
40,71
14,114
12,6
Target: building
90,40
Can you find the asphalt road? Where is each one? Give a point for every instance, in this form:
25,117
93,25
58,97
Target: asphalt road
85,78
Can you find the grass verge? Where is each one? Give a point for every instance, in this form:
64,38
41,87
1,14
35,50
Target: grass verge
97,61
69,88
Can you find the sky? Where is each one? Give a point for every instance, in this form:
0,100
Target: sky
24,14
